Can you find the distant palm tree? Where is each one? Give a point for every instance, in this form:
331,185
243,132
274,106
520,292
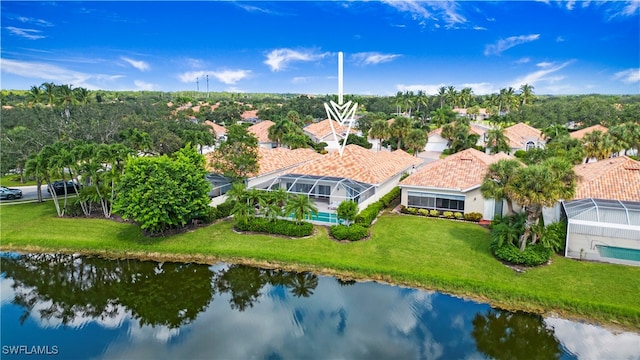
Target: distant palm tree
301,207
452,96
598,145
497,141
400,128
416,140
49,90
496,180
35,95
379,130
442,95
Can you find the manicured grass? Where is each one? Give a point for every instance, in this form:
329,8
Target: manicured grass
443,255
13,180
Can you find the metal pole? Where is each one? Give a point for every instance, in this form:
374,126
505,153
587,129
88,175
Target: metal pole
207,86
197,84
340,99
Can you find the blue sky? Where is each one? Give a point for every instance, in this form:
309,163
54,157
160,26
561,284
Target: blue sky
559,47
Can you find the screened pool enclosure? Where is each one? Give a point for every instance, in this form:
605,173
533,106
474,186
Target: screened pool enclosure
603,230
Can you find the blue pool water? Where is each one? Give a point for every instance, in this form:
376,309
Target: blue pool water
324,217
618,252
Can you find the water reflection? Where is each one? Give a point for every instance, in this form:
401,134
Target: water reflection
96,308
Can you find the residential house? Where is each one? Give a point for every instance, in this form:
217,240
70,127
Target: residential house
523,137
453,184
438,144
261,131
250,116
321,132
359,175
580,134
603,222
271,163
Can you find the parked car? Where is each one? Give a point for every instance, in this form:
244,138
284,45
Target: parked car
9,193
58,187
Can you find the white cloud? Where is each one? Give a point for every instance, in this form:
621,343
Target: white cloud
570,4
140,65
559,39
34,21
369,58
192,76
628,76
252,8
544,64
479,28
523,60
31,34
541,75
300,80
43,71
430,10
482,88
231,77
278,59
504,44
142,85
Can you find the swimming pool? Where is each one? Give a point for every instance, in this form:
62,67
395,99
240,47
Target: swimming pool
618,253
324,217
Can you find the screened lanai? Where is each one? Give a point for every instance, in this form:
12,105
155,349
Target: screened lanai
326,191
603,230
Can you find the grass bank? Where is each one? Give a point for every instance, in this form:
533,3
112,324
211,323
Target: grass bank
448,256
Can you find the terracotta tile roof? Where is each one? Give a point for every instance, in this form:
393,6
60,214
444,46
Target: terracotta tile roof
461,171
271,160
473,129
520,133
218,129
359,164
261,130
323,128
249,114
613,179
581,133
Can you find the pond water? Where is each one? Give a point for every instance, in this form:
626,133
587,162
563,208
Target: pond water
74,307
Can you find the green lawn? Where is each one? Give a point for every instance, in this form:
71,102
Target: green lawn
13,180
449,256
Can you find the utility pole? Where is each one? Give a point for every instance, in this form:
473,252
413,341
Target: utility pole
207,86
197,84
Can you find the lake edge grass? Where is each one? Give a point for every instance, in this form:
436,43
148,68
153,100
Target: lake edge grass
448,256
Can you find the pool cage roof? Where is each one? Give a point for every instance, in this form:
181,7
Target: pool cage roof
612,218
356,188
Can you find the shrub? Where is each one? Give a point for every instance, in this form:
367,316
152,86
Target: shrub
423,212
279,227
224,209
457,215
520,154
554,236
390,196
347,210
210,215
352,233
473,216
448,214
366,216
434,213
404,209
533,255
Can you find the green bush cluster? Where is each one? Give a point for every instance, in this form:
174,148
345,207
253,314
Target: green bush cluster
457,215
473,216
533,255
554,236
448,214
434,213
278,227
366,216
354,232
214,213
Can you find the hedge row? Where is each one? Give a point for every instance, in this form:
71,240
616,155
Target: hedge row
354,232
278,227
366,216
473,216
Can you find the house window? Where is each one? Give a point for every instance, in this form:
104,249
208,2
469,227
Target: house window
441,202
530,145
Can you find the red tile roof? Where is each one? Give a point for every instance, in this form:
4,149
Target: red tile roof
359,164
261,130
218,129
271,160
323,128
249,114
520,133
461,171
613,179
581,133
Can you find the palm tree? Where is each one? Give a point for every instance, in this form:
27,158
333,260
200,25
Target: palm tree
82,95
49,90
416,140
399,101
497,141
466,95
554,131
497,179
35,95
301,207
400,128
537,186
408,101
379,130
279,130
442,95
526,95
36,167
303,284
452,96
598,145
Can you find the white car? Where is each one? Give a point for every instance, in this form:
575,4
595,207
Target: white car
9,194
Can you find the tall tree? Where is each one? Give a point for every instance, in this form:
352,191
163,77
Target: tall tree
301,207
379,131
537,186
237,157
442,95
497,141
526,95
598,145
400,128
416,140
497,180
